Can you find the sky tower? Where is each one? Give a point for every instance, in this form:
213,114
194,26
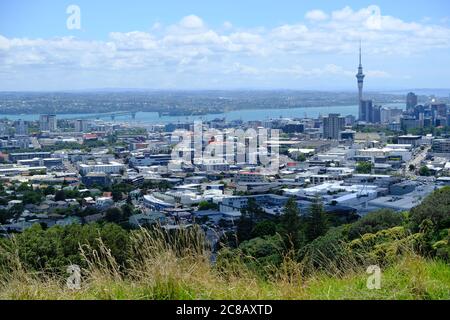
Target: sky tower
360,77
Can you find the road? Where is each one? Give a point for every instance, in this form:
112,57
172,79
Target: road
35,142
417,158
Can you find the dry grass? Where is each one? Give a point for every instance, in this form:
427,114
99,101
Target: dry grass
180,268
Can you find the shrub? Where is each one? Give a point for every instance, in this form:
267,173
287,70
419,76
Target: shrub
374,222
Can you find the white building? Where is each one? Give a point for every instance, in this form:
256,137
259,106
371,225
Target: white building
249,177
47,122
81,125
111,168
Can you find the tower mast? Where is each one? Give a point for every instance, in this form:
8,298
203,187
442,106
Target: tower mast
360,79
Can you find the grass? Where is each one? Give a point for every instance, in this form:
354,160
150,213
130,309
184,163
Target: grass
180,268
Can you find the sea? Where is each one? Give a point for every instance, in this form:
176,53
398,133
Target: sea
244,115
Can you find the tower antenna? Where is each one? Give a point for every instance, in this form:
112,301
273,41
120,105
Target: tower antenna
360,52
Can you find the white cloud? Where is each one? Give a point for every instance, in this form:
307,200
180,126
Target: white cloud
135,40
227,25
191,22
189,46
316,15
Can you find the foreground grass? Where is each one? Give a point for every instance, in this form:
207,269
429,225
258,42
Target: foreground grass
165,271
411,278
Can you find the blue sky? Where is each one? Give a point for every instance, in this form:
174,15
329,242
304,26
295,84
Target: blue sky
200,44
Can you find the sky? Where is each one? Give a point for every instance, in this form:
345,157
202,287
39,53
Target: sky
202,44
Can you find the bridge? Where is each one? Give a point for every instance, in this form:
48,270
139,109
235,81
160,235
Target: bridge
111,115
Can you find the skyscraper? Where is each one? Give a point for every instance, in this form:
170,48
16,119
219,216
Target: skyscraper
21,127
411,101
81,125
47,122
360,77
332,125
366,110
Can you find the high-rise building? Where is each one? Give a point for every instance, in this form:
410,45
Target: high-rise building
3,128
47,122
411,101
81,125
366,110
21,127
389,115
360,78
441,146
376,114
333,125
439,110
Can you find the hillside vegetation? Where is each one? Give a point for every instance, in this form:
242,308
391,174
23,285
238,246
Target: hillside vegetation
412,250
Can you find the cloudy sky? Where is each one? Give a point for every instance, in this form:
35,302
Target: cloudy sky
204,44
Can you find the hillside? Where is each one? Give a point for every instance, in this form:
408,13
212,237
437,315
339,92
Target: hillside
411,249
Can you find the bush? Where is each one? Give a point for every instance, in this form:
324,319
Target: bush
436,208
374,222
327,252
55,248
264,228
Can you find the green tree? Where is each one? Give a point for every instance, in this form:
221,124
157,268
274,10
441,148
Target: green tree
127,210
116,195
244,227
264,228
5,215
424,171
290,224
206,205
436,208
374,222
249,214
364,167
33,197
24,187
55,248
328,250
60,195
316,221
114,214
49,190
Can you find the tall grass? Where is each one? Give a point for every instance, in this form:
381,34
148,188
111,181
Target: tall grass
178,266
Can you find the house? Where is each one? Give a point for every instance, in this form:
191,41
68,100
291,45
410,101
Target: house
104,202
152,217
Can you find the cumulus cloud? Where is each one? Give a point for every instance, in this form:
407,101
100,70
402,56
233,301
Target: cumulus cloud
316,15
191,46
191,22
227,25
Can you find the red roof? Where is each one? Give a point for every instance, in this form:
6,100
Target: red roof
89,136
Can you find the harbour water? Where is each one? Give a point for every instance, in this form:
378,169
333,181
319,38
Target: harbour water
244,115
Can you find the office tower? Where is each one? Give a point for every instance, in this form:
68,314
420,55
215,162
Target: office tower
349,120
410,122
333,125
47,122
366,111
21,127
376,114
3,129
411,101
389,115
81,125
439,109
360,78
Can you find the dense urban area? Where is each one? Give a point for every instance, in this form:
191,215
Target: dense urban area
338,190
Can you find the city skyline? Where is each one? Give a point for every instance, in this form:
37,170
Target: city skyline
139,45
